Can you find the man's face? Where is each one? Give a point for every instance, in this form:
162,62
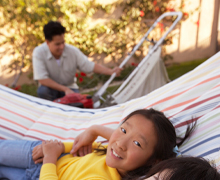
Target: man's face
56,45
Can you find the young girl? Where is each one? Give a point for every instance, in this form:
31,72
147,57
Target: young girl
144,138
182,168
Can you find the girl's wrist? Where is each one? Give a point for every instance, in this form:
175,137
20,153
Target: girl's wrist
49,159
63,147
94,130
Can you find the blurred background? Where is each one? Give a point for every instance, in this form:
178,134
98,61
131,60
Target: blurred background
106,31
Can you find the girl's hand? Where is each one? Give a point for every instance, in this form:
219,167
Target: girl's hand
83,143
52,150
37,154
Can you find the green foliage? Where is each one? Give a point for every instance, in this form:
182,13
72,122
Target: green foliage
30,89
23,21
84,81
116,36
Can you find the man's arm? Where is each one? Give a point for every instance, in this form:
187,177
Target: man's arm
54,85
98,68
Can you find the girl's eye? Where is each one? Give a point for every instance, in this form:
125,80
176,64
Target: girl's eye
123,130
137,143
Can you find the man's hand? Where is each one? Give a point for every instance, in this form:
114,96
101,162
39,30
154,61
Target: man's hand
117,70
98,68
37,154
68,91
52,150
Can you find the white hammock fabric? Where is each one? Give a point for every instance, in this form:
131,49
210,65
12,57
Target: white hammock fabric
194,95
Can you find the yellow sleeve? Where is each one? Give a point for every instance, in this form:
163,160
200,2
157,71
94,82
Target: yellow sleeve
48,172
68,146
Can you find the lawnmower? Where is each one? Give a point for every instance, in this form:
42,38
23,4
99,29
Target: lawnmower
77,100
139,83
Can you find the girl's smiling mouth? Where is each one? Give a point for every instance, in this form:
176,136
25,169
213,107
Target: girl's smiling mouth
115,155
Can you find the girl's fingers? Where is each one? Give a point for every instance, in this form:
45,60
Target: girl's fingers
81,152
38,161
33,157
75,147
74,154
36,148
85,150
36,155
34,152
90,149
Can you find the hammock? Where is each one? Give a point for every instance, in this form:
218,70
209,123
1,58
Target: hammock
194,95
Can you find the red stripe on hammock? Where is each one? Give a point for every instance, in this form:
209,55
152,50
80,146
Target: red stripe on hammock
21,134
196,104
175,95
13,122
17,114
187,122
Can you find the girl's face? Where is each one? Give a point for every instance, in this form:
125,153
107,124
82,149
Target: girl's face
132,144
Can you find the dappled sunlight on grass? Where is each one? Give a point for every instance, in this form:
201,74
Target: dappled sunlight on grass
177,70
174,71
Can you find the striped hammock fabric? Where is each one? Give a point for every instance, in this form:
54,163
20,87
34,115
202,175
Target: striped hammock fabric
195,95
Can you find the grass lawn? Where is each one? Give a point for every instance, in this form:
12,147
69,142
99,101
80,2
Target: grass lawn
174,71
178,70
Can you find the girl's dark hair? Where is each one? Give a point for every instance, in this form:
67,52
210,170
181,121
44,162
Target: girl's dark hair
166,141
53,28
181,168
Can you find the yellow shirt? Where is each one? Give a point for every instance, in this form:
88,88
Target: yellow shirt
89,167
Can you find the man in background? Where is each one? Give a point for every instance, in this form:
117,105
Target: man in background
55,64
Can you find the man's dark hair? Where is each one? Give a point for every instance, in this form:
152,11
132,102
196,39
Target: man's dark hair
53,28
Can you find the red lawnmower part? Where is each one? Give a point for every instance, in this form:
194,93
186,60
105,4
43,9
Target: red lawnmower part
77,100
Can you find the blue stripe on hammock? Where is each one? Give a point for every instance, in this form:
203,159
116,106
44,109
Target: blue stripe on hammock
8,135
197,110
80,111
209,152
202,142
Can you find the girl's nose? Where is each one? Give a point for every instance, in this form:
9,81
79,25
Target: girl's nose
122,143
